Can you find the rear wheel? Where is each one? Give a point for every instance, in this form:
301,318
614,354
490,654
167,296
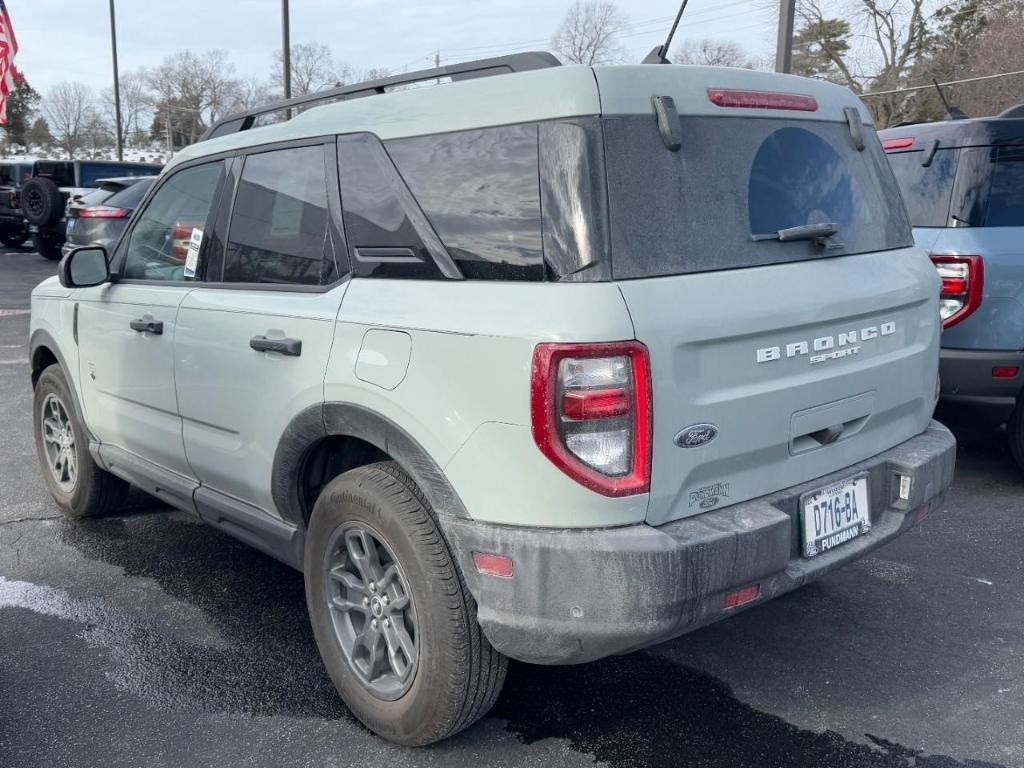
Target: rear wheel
46,247
13,239
391,614
77,484
1015,433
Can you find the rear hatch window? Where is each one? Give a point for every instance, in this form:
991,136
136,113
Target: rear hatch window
700,208
927,189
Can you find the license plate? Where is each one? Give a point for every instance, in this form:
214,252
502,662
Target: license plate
835,514
71,225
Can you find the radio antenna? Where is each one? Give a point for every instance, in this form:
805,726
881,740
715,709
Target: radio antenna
660,54
952,113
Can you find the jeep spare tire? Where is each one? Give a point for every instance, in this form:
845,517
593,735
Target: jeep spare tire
42,202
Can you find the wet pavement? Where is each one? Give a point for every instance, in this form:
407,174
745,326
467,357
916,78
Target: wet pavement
149,639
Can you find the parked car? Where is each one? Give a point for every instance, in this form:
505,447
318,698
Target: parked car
53,183
13,231
101,216
963,183
551,365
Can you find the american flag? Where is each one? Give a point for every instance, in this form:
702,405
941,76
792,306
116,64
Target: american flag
8,48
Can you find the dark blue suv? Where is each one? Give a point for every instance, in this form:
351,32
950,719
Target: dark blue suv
963,184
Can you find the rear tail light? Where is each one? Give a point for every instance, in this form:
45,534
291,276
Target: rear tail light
591,413
15,200
963,279
103,212
181,236
725,97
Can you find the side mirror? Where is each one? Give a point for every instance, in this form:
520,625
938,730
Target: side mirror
84,267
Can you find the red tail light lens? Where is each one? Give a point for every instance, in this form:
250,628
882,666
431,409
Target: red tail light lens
963,281
903,143
181,236
725,97
15,200
591,413
103,212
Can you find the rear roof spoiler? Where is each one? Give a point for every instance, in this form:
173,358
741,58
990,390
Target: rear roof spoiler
501,65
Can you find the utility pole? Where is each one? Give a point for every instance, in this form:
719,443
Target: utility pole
784,48
437,64
117,84
286,49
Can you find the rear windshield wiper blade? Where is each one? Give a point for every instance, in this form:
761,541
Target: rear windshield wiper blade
803,232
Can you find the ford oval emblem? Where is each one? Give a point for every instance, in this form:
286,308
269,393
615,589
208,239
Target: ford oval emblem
696,435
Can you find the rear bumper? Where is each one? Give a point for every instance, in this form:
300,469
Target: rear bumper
970,395
580,595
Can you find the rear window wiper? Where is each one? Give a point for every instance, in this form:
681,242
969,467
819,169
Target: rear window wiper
817,232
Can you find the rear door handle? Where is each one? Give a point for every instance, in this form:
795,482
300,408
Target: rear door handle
292,347
156,327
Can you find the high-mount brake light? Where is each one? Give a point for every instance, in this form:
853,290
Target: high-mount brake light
726,97
963,281
103,212
590,408
902,143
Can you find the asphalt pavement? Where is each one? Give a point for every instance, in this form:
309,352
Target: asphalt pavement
148,639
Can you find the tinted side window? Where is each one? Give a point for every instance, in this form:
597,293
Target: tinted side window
926,189
387,232
1006,196
278,231
481,191
160,237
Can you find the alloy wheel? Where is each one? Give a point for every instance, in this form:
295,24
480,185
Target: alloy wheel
372,610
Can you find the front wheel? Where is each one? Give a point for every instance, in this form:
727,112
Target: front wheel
393,619
77,484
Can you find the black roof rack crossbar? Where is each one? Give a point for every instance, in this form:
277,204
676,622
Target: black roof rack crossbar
501,65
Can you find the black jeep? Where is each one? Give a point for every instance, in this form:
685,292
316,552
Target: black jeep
45,194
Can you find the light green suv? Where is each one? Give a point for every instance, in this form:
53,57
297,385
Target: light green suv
545,362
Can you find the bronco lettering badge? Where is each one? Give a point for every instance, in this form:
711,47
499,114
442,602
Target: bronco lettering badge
696,435
842,344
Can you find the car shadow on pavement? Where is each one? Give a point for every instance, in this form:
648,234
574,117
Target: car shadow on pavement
257,656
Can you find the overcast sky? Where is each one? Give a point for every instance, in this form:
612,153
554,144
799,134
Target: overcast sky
69,39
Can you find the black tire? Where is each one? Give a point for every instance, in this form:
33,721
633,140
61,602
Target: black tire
458,675
94,491
46,247
13,239
42,202
1015,433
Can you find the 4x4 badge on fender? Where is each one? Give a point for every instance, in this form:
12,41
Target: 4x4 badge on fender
696,435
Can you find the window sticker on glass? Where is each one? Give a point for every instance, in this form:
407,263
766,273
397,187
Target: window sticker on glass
192,257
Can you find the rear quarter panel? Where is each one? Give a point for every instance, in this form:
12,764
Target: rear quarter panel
998,324
465,394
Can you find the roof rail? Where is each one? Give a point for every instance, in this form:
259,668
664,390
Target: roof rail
468,70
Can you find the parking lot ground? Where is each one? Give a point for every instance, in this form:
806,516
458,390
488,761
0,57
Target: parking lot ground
146,638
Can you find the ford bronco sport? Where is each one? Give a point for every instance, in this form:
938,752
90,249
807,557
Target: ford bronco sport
963,183
549,365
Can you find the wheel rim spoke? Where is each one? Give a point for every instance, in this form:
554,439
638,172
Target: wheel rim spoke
401,649
371,610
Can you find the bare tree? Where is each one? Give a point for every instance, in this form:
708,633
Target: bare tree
68,111
313,69
192,91
712,53
589,33
896,34
135,105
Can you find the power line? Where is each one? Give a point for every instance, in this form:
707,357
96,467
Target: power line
932,85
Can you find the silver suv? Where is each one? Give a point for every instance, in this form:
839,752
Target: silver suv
549,365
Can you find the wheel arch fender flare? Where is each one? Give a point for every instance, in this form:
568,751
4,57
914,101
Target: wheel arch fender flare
316,423
41,342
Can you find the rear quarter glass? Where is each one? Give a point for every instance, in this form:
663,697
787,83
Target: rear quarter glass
697,209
